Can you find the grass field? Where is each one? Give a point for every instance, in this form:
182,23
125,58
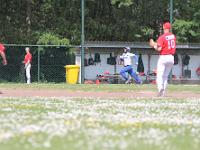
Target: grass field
102,87
98,123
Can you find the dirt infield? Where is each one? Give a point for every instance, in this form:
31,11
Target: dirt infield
66,93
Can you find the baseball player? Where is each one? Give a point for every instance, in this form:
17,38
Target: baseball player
127,58
2,53
27,64
166,46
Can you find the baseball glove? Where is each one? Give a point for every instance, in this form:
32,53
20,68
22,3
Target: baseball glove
152,43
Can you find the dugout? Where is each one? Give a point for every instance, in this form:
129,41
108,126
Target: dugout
182,73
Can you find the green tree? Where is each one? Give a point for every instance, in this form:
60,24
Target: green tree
24,21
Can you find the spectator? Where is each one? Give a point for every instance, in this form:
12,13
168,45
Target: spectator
2,53
27,64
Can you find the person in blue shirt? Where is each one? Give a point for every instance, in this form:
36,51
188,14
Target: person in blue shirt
127,58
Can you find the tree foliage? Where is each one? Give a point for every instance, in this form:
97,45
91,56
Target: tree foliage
52,39
30,21
187,20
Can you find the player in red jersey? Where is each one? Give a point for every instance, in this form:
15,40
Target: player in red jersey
166,46
27,62
2,53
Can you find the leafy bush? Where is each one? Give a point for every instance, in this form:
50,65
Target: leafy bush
186,31
52,39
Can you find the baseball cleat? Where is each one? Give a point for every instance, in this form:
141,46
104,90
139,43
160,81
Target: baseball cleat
161,93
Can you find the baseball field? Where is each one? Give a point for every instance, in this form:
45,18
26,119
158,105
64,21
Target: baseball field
99,117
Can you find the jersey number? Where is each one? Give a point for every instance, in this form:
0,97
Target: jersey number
171,44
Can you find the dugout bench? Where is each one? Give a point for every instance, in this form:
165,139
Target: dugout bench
110,79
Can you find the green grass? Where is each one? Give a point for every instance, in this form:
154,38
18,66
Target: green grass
102,87
99,124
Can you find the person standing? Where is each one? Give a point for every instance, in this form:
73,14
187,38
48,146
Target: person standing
126,57
2,53
27,64
166,46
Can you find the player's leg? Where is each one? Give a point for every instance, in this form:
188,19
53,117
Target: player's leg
123,72
159,77
28,74
129,79
3,55
168,66
134,75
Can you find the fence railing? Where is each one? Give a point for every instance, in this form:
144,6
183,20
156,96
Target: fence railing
47,64
49,60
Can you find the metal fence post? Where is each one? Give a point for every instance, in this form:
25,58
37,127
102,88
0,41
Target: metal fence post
39,49
82,40
171,21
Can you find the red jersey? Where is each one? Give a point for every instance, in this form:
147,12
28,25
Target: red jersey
28,57
167,42
2,48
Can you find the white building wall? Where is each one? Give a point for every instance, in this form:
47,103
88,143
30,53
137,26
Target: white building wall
99,68
193,65
153,62
177,69
145,62
92,71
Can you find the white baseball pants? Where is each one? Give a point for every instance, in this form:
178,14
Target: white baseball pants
28,73
164,66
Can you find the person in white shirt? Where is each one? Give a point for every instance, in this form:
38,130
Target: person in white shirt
128,68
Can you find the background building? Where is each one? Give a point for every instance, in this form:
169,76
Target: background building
186,53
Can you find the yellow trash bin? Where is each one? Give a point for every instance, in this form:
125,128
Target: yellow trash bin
72,73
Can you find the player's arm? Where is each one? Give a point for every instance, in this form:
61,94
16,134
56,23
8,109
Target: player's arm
27,63
3,55
155,45
135,58
121,57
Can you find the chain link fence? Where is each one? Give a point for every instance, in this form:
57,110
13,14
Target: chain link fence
47,64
